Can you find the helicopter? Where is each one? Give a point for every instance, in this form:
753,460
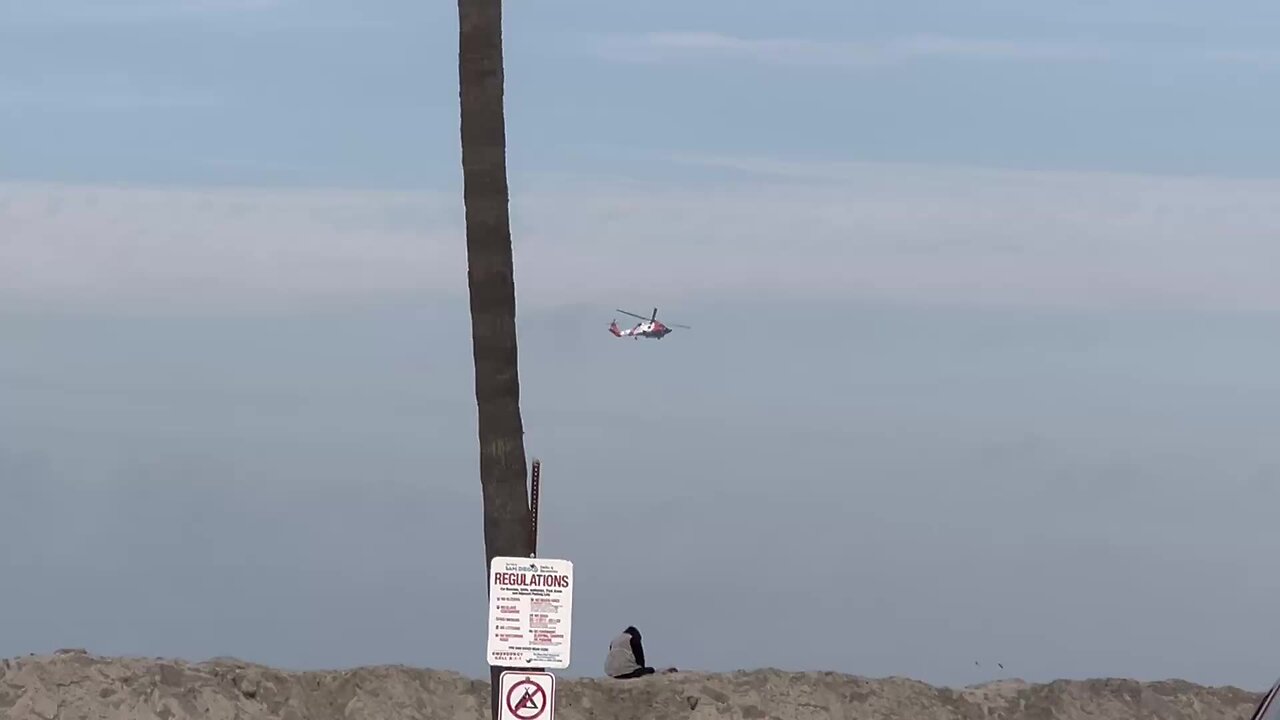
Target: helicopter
647,327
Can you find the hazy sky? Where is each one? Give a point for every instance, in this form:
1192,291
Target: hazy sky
983,367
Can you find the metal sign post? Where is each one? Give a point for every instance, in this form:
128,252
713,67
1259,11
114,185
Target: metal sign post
530,623
535,483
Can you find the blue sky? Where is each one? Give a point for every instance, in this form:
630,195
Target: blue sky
984,311
1079,146
282,92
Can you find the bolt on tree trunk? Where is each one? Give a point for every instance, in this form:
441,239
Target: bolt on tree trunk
491,285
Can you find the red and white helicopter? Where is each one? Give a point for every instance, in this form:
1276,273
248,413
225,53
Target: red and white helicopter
647,327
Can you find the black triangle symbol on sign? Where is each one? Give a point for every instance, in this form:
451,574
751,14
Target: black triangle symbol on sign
527,701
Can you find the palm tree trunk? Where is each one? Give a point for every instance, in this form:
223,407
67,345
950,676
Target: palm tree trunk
491,284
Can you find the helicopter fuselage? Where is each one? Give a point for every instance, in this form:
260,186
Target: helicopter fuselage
655,330
649,327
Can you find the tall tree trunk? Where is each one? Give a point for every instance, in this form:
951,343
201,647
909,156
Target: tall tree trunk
491,283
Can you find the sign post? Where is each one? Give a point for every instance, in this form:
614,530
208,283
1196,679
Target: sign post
534,485
530,623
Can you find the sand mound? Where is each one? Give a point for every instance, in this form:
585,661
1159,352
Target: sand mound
70,685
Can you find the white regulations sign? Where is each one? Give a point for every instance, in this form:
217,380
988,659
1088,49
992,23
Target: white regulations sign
530,612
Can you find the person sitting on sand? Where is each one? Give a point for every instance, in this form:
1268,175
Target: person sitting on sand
626,657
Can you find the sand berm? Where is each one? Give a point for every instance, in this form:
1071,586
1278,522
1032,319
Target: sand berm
75,685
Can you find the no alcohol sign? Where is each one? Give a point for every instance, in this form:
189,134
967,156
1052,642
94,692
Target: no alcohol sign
527,696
